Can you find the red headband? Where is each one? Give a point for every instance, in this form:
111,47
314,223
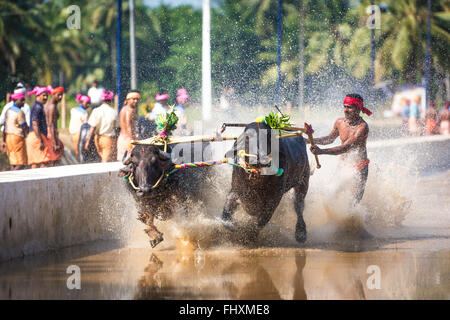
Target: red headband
355,102
58,90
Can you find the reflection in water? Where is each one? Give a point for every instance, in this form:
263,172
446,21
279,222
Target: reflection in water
265,273
224,275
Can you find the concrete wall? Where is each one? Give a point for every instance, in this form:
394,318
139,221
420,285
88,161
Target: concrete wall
421,154
42,209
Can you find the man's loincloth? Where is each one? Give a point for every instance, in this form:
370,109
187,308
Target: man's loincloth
34,154
16,150
361,170
75,139
123,145
105,147
57,154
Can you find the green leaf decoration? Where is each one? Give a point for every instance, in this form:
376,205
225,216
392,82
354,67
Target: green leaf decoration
277,121
167,122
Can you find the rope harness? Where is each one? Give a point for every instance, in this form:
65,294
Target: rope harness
163,139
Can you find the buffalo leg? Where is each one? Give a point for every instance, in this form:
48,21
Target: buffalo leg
153,233
299,204
230,207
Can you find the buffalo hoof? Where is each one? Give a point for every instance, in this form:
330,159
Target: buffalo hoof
227,224
155,242
300,233
155,236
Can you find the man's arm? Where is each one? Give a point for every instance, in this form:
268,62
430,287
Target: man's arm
38,133
129,116
51,126
327,139
3,115
90,135
357,136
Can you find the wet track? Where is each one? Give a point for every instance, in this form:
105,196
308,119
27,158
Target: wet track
402,227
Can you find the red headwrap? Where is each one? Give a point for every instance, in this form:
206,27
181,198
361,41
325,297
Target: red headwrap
58,90
355,102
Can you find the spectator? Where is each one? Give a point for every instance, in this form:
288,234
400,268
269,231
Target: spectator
128,118
414,115
444,119
20,88
182,99
14,133
52,116
39,148
161,106
78,116
431,126
103,122
405,113
95,93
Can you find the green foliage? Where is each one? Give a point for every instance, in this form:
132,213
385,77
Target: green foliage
277,121
167,122
36,47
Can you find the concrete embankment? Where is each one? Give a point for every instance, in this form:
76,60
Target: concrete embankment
51,208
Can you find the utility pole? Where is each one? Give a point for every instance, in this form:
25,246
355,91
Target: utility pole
372,53
301,65
279,29
206,62
428,56
132,48
118,52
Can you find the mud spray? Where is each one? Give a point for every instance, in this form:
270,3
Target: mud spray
391,202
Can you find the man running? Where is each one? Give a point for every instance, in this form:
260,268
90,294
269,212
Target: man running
52,116
128,118
14,133
353,131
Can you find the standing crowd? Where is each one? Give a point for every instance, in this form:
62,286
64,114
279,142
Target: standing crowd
31,137
436,122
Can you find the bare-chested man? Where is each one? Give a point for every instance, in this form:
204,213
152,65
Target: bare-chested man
353,131
52,116
128,118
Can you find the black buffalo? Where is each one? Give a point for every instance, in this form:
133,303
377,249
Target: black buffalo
260,194
90,155
158,195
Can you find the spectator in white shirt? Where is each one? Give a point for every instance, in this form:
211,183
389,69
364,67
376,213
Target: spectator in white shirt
20,88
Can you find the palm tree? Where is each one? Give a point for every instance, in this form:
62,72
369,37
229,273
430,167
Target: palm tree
402,39
20,26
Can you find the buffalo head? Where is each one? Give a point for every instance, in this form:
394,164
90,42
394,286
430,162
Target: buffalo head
146,165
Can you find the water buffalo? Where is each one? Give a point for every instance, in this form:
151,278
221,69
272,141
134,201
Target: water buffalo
260,194
87,156
156,194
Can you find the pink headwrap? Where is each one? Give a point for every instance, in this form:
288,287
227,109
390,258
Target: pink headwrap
181,92
16,96
40,90
183,97
82,98
161,97
107,95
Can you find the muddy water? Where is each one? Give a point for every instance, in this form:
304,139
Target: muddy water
395,245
